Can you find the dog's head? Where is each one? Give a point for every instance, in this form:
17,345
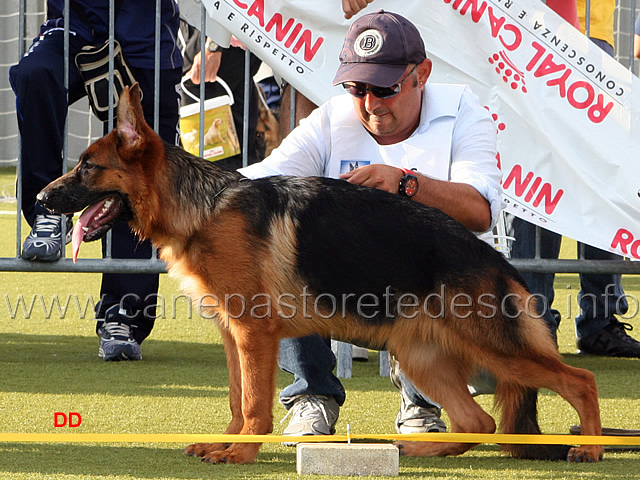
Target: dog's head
267,129
109,178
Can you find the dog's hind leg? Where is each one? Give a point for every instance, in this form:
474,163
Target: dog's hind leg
577,386
443,379
519,406
235,399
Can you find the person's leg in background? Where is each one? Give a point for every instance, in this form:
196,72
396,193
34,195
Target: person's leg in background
540,284
601,298
41,104
126,312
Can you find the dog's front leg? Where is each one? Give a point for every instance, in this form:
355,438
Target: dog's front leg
257,349
235,399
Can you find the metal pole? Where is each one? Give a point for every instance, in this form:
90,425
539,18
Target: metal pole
156,70
111,120
21,36
632,37
245,108
203,56
65,143
156,86
292,108
587,18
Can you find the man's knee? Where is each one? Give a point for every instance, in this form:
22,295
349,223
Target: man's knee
31,77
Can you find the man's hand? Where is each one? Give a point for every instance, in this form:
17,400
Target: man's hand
211,66
351,7
380,176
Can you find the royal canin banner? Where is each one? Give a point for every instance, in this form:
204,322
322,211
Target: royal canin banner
566,113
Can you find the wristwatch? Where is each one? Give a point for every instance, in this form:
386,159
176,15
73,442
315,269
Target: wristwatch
211,45
408,183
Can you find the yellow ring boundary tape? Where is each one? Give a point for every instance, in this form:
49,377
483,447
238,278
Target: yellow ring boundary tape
228,438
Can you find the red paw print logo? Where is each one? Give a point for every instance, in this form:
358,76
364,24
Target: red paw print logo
511,75
500,127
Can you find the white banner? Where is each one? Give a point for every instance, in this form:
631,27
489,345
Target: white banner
565,112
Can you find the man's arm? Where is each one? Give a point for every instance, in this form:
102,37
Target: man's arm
636,39
212,65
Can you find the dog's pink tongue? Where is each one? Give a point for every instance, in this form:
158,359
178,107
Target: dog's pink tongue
76,240
81,225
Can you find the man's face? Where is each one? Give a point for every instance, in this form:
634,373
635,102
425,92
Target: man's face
394,119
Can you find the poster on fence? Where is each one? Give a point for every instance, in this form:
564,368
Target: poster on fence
566,113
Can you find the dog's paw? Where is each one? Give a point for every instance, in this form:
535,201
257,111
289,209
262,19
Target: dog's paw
202,449
416,449
221,453
585,454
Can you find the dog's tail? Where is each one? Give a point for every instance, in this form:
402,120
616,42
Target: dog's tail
520,416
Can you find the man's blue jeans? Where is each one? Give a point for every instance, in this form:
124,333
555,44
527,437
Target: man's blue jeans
311,362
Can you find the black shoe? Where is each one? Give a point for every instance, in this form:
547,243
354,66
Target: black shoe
611,341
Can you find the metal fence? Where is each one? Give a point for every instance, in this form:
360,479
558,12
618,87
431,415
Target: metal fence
20,21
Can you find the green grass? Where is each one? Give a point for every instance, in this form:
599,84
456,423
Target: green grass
49,363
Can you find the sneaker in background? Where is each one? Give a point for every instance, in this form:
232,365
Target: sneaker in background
116,338
44,243
413,418
611,341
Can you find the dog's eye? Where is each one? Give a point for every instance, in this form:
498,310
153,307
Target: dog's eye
88,166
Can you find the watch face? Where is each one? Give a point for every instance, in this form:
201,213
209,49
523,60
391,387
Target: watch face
411,186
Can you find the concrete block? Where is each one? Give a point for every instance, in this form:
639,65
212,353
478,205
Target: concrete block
345,459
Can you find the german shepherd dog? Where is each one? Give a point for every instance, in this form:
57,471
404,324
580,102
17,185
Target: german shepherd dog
289,257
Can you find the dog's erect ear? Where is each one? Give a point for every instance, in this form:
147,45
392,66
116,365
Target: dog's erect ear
130,117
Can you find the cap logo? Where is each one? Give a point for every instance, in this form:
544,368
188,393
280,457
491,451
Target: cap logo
368,43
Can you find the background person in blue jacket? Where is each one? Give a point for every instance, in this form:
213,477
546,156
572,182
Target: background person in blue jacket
126,310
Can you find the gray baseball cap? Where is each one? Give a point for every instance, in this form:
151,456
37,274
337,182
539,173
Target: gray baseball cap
377,49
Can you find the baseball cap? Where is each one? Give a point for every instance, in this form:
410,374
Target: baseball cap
377,49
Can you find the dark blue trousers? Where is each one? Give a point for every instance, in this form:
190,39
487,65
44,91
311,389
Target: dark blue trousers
601,296
41,104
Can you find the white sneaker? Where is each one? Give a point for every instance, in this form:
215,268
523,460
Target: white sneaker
311,415
413,418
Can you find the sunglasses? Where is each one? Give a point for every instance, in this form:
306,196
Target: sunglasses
359,90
